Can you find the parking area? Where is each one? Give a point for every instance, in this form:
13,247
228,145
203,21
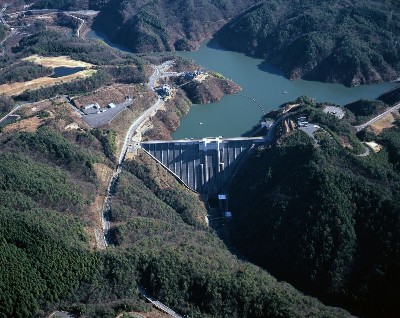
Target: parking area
99,117
310,129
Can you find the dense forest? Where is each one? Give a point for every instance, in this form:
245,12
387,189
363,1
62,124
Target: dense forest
350,42
23,71
47,183
363,110
317,216
6,104
391,97
165,25
324,219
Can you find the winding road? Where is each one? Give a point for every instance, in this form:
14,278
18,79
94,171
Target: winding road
159,71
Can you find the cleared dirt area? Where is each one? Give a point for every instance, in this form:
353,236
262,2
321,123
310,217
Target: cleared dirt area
103,173
155,313
56,61
111,94
289,107
385,122
27,125
374,146
18,88
56,110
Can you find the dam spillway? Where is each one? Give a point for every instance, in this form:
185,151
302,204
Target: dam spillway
204,165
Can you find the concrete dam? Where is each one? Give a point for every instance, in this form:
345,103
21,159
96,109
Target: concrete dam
204,165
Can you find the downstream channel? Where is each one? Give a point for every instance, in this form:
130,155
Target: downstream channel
236,114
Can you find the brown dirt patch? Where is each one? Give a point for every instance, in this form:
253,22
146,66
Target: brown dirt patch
374,146
63,114
56,61
103,173
290,107
92,238
385,122
111,94
27,125
33,108
94,215
201,77
155,313
18,88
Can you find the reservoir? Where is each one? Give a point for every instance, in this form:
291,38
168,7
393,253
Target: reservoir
236,114
263,86
64,71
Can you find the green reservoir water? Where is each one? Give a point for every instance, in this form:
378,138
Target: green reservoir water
236,114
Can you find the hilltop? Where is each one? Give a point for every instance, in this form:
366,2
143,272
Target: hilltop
322,216
341,41
315,212
55,168
349,42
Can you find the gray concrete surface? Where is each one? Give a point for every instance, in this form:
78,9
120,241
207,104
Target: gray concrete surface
95,119
204,165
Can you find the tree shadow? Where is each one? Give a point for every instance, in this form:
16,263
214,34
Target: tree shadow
269,68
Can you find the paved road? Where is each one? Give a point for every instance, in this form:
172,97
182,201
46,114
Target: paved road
105,212
159,71
11,112
80,25
375,119
366,151
159,305
61,314
310,129
136,124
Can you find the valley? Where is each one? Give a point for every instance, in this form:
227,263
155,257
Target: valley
113,202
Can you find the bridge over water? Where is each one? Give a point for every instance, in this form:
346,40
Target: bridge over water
204,165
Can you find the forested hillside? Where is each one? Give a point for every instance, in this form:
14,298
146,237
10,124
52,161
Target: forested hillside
47,185
324,219
147,26
53,180
350,42
319,217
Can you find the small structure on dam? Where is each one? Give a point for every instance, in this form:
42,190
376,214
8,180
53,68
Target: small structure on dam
204,165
